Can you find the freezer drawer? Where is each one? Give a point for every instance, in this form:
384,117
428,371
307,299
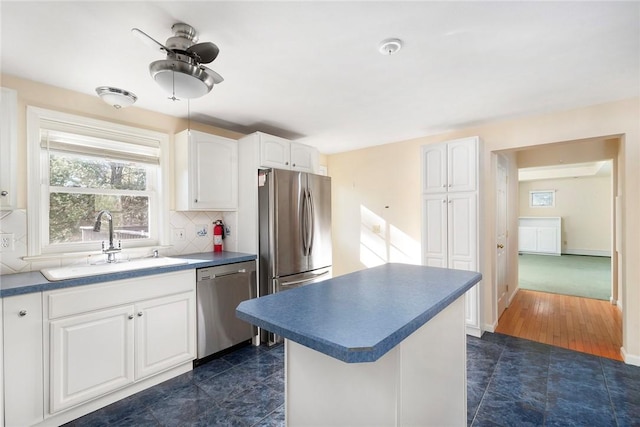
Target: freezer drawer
219,290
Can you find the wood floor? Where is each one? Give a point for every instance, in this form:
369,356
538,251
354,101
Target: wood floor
581,324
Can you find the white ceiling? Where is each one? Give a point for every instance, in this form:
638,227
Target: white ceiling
311,71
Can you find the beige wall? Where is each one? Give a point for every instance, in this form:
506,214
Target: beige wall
389,175
585,205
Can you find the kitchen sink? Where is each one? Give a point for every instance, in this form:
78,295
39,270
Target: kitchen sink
84,270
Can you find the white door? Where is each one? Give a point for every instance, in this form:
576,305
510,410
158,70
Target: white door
23,389
434,168
463,231
215,169
91,354
434,229
275,152
501,234
548,240
303,158
462,158
165,333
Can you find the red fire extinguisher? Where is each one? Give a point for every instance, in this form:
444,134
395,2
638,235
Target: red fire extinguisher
218,235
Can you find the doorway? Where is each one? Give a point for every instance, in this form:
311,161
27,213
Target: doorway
554,318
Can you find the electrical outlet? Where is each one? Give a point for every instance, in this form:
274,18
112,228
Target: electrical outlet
178,234
6,242
376,228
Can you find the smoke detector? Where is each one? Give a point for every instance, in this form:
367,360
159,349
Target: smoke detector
390,46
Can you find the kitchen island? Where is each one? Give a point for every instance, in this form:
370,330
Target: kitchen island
382,346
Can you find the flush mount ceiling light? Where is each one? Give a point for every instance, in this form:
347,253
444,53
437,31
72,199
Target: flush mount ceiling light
182,74
117,98
390,46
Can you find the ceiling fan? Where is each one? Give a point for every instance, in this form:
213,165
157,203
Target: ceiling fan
182,73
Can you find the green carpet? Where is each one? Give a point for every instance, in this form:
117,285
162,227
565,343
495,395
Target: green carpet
581,276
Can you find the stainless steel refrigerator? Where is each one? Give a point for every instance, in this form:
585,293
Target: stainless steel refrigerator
294,229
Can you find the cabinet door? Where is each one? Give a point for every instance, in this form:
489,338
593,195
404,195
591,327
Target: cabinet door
462,158
275,152
434,214
304,158
434,168
91,354
214,172
463,231
23,360
165,333
548,240
8,147
527,239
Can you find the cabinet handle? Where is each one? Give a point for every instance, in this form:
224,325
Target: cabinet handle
130,316
286,163
449,185
195,201
450,201
444,186
22,313
140,314
4,193
444,200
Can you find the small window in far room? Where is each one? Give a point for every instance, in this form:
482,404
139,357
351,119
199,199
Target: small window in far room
542,198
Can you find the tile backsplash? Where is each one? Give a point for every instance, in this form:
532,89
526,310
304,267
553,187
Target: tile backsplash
189,232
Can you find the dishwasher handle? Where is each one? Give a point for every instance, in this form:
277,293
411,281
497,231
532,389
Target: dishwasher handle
212,275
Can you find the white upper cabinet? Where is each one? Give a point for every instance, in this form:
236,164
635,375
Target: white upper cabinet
275,152
206,171
281,153
451,166
8,147
304,158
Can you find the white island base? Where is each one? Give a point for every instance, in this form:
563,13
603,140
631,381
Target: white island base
420,382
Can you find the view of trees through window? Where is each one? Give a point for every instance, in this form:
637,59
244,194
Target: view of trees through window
82,186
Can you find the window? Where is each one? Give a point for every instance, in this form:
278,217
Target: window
86,166
542,198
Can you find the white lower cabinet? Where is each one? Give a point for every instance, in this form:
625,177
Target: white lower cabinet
91,354
23,360
71,351
165,330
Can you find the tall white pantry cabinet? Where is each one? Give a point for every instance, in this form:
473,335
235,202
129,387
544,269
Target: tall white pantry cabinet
450,214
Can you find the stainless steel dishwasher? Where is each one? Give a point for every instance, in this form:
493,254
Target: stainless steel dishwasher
219,290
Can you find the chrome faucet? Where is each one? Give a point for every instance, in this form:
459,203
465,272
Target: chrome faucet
111,250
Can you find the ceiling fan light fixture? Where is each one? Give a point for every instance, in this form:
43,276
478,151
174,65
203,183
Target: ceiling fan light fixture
181,79
117,98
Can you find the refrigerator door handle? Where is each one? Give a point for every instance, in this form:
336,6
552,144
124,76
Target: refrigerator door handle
308,279
303,220
311,224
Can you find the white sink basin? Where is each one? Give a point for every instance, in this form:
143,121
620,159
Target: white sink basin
75,271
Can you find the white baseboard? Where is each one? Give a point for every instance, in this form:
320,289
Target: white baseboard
491,327
474,331
630,359
588,252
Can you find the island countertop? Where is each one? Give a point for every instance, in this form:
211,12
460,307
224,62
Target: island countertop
360,316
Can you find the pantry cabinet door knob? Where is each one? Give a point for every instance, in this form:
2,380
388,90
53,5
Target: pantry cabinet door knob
22,313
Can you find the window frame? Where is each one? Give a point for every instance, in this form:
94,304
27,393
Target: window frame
38,185
548,193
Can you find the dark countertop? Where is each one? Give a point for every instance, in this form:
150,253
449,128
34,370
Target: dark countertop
360,316
34,281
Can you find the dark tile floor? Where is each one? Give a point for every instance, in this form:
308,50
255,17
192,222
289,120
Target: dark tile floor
511,382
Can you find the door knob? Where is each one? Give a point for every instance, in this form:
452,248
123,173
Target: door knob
500,246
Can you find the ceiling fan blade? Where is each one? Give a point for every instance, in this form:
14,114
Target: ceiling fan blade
206,52
148,40
217,78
